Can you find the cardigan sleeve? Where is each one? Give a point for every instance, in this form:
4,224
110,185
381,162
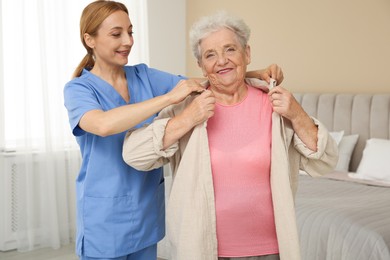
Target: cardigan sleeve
143,147
324,159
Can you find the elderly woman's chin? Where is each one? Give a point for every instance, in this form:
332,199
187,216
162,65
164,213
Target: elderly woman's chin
227,82
226,78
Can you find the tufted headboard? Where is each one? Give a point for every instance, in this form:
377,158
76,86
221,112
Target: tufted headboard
365,114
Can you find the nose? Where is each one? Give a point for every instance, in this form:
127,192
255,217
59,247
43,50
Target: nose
222,60
127,39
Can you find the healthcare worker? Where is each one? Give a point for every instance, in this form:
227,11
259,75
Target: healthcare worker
120,211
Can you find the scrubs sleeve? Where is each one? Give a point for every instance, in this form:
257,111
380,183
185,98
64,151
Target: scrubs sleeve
143,147
162,82
326,156
79,98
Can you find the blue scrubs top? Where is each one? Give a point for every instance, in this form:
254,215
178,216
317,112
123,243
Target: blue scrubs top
119,210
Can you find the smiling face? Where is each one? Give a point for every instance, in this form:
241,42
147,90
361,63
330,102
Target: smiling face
224,60
112,44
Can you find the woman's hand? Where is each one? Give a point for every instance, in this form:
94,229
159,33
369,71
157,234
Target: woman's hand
284,103
197,112
272,71
183,89
201,108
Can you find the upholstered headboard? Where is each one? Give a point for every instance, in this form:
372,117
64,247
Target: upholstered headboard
363,114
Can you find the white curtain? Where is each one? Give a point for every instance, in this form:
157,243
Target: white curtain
39,49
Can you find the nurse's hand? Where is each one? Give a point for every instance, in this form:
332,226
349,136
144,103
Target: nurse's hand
183,89
272,71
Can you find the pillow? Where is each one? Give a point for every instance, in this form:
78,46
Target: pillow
337,136
346,147
375,163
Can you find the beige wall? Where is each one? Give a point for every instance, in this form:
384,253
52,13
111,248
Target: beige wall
167,47
322,46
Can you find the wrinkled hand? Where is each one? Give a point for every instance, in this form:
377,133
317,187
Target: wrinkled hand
284,103
183,89
201,108
272,71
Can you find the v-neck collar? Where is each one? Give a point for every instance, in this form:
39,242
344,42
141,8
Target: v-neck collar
107,87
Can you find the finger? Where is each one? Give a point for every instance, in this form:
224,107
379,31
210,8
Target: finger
273,71
277,103
199,90
208,93
275,96
267,77
279,77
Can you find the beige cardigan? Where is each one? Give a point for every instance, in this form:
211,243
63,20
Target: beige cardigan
191,220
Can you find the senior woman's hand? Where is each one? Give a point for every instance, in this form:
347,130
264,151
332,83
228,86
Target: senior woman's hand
200,109
284,103
197,112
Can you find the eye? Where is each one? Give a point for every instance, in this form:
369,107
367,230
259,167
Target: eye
209,55
230,49
131,33
116,33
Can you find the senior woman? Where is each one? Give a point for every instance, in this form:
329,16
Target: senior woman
235,151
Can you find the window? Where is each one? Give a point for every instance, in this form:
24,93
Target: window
40,47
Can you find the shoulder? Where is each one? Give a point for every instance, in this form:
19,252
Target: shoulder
175,109
141,68
152,72
86,84
257,84
84,78
77,84
258,92
137,67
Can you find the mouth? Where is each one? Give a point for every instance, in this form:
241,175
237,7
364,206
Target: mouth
124,53
223,71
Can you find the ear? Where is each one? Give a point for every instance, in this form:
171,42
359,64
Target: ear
248,54
89,40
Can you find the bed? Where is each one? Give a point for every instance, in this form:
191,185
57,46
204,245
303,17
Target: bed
345,215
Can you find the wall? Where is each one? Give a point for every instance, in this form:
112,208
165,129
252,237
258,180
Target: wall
322,46
167,35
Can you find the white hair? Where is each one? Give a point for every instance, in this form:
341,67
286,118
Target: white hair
220,20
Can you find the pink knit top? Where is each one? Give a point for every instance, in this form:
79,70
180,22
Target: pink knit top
240,147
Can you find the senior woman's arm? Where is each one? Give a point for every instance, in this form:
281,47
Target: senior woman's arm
142,147
284,103
197,112
153,145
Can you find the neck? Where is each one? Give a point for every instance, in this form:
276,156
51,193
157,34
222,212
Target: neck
110,74
229,95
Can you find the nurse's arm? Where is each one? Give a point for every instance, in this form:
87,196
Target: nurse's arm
117,120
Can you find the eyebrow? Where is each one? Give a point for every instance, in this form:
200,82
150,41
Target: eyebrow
120,28
224,47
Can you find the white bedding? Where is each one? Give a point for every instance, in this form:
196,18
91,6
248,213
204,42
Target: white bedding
343,220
